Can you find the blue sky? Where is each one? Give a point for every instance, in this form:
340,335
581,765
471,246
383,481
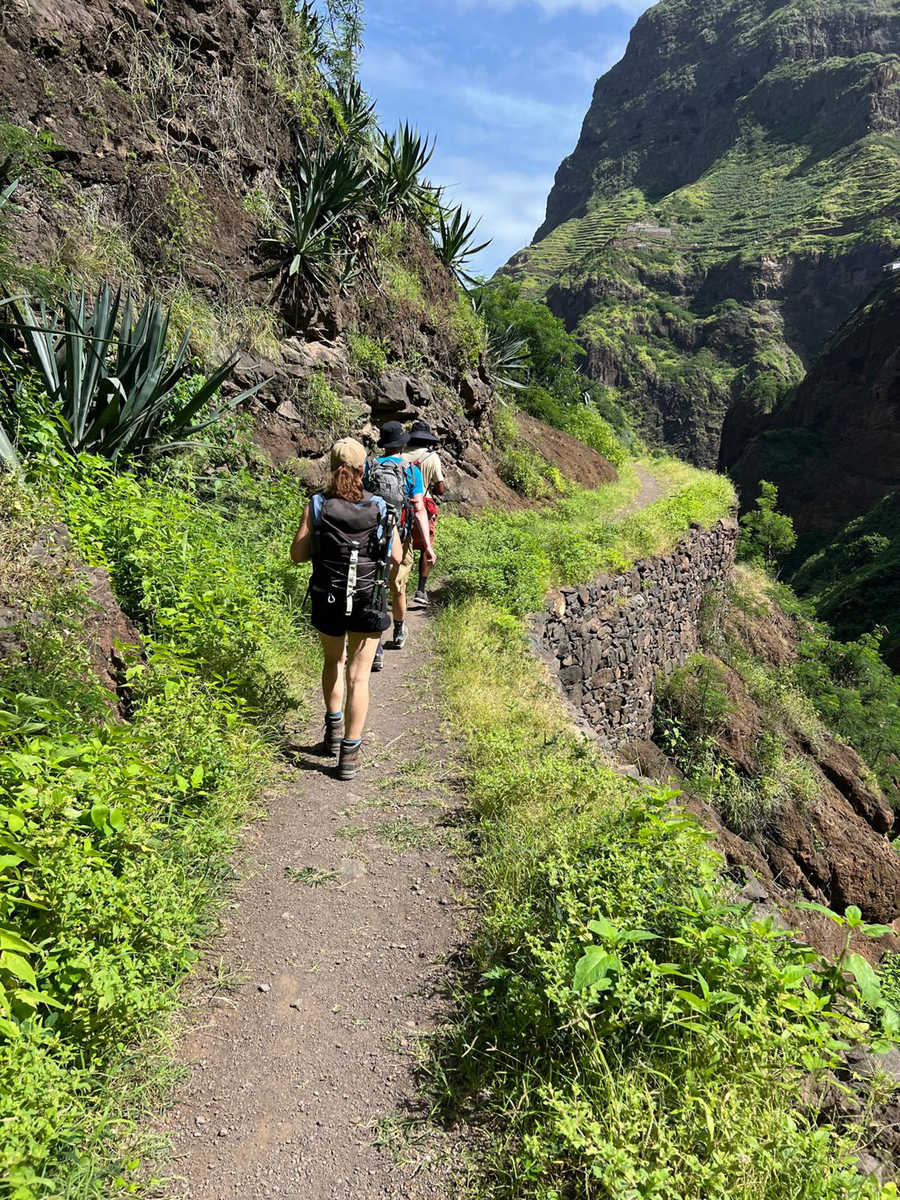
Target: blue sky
503,85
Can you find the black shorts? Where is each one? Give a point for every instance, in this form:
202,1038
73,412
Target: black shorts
329,613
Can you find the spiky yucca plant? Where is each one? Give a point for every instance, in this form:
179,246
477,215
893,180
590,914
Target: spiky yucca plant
120,390
400,160
455,240
506,358
324,203
354,113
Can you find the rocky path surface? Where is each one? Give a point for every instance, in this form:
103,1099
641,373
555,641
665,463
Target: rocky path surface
302,1034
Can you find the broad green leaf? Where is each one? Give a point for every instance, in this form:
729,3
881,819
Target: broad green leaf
10,940
812,906
593,968
18,966
603,928
866,979
792,975
852,916
698,1003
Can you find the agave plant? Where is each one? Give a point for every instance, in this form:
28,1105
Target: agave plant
121,392
506,358
314,31
456,234
401,158
354,112
323,205
8,456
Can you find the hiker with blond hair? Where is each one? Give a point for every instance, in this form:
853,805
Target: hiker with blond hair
348,535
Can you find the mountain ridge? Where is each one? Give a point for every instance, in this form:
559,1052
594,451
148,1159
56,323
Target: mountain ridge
738,156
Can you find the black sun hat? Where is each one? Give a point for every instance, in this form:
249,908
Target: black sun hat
420,435
393,436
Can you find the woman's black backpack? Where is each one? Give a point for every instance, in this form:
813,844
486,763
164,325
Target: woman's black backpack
350,544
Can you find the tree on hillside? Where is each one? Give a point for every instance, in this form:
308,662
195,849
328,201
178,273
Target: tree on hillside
766,534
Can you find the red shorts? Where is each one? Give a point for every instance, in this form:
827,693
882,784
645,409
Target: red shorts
431,510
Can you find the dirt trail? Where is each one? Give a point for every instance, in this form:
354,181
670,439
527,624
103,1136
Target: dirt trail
301,1036
302,1072
651,491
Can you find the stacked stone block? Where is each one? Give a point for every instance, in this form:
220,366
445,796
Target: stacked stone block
609,640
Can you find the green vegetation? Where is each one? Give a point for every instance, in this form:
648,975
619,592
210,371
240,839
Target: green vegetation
109,373
518,465
530,350
623,1030
854,581
515,557
693,709
366,355
116,833
766,534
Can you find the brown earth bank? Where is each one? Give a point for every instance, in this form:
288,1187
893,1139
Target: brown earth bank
165,132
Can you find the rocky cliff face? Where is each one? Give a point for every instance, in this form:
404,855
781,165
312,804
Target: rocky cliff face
730,200
150,141
833,445
833,448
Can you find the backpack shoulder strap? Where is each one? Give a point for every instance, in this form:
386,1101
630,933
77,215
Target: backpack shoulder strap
316,506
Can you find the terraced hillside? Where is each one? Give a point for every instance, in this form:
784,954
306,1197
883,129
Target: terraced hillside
731,199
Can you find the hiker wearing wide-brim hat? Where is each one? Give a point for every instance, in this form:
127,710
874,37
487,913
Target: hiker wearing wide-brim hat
421,452
393,437
348,536
400,484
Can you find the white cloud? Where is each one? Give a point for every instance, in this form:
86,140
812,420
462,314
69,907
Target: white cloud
511,204
508,110
552,8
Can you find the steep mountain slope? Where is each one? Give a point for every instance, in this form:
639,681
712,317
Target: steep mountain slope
833,444
731,198
150,143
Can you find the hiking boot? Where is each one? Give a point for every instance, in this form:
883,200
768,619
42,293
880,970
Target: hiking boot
334,732
348,764
378,660
421,597
400,635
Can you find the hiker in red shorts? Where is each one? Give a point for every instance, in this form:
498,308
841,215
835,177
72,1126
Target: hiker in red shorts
421,452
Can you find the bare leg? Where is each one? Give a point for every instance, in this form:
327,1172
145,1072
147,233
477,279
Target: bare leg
360,653
334,650
398,592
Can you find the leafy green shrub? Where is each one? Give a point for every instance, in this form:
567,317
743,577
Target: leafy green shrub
519,465
586,424
323,407
366,355
766,534
854,692
219,590
696,696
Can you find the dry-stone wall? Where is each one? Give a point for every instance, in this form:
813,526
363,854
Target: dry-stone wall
608,641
